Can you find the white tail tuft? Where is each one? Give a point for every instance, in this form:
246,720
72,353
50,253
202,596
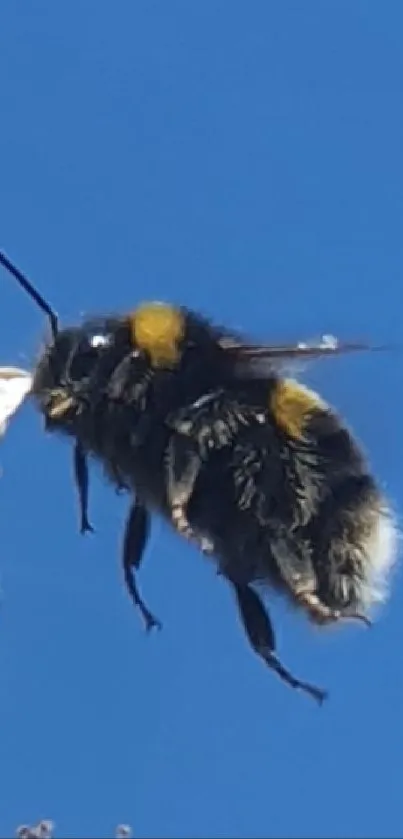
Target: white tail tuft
381,549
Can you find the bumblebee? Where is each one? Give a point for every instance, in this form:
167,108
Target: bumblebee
200,426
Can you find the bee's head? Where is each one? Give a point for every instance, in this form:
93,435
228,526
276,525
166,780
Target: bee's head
74,370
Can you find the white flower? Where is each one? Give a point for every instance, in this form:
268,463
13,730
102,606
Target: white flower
15,384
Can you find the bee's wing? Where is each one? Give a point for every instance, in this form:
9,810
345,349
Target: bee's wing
276,354
15,384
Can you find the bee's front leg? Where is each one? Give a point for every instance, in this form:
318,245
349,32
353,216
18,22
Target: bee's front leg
81,481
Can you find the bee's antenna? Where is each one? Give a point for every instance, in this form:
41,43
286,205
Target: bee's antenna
31,290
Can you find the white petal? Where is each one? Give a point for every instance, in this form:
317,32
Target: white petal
15,384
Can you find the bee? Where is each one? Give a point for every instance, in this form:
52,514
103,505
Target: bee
201,426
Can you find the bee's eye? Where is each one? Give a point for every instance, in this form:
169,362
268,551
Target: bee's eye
100,341
86,354
82,362
138,353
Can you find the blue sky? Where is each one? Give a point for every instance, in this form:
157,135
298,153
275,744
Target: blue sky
244,159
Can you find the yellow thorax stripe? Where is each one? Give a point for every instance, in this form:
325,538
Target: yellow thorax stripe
158,328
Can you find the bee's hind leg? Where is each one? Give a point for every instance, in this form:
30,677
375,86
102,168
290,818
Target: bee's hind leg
260,632
321,614
296,571
341,535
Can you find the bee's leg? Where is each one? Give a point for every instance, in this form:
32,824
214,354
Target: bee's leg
318,612
81,480
321,614
134,541
295,566
259,629
183,467
297,572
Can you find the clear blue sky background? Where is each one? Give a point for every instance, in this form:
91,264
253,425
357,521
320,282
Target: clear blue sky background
244,159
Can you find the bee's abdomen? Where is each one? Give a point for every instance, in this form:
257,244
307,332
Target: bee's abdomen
293,501
340,514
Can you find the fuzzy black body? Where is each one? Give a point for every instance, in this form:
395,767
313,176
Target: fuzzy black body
260,473
291,514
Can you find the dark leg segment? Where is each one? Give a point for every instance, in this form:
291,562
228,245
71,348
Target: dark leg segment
81,480
259,629
134,542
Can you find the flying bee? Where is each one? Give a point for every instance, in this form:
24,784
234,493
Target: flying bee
201,426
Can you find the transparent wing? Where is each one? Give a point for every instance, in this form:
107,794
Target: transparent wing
263,357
